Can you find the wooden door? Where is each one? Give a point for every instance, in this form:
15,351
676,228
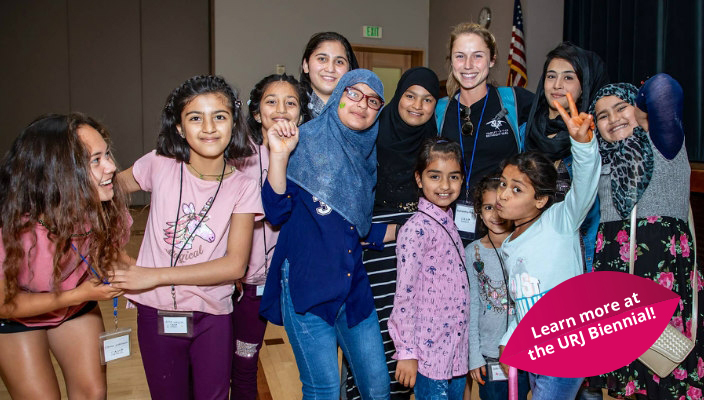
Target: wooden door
388,63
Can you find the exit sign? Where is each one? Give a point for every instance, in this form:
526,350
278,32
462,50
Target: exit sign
373,32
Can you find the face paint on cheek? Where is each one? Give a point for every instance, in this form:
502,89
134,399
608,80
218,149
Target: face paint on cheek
342,105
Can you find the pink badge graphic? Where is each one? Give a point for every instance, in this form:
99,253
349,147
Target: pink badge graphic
603,319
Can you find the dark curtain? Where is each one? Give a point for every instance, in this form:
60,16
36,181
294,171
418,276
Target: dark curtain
639,38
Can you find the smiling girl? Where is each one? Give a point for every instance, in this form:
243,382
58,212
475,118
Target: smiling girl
474,115
428,323
196,243
317,286
327,56
644,163
276,98
49,294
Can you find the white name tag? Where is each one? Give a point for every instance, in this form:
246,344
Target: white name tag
465,218
497,374
260,290
177,323
115,345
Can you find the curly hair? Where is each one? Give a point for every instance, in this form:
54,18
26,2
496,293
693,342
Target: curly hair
171,144
540,172
46,178
255,98
466,28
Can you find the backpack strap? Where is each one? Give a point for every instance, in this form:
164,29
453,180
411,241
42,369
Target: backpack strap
507,96
440,110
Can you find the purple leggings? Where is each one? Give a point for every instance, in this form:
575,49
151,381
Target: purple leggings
186,368
248,328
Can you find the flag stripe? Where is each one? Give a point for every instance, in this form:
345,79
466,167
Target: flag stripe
518,72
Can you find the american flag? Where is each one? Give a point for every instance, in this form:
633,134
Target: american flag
518,73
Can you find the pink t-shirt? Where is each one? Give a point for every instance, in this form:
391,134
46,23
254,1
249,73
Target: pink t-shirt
265,236
208,241
36,273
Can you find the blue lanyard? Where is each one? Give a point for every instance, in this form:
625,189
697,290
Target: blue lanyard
106,282
476,136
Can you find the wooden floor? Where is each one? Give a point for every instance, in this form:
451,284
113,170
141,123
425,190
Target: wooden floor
278,375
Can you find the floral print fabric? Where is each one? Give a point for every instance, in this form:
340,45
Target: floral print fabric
665,254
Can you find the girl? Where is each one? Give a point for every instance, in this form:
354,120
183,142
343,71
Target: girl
474,116
428,323
403,126
488,291
317,287
525,196
641,140
567,69
327,56
200,225
49,293
274,98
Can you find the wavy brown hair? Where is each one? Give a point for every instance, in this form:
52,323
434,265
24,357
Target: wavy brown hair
466,28
46,179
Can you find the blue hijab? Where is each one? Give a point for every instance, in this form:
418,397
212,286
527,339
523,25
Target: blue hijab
337,164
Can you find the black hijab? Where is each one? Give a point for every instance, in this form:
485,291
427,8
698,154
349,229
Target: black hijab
398,143
591,70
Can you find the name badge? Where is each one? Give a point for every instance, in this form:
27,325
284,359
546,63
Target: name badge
115,345
176,323
260,290
465,219
496,373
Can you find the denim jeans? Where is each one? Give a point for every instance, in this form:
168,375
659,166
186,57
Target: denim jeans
498,390
439,389
315,343
550,388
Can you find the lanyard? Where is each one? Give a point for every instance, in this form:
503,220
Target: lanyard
105,281
468,174
178,210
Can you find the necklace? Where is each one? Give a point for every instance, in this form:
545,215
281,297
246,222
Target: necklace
527,222
73,235
218,177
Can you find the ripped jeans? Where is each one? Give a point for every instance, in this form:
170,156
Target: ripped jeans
315,343
439,389
248,331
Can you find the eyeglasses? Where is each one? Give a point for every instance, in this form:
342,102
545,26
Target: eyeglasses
467,126
356,95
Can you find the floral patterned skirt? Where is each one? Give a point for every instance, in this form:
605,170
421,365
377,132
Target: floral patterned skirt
664,254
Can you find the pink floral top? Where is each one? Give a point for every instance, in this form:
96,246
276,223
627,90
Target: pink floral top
429,319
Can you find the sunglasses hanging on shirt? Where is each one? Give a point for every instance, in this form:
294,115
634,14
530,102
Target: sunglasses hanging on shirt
467,126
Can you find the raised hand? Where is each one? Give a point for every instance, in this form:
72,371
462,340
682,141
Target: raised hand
579,125
283,137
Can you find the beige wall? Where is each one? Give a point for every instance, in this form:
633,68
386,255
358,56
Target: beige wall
251,37
542,20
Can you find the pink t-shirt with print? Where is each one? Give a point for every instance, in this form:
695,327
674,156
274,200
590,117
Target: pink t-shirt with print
208,241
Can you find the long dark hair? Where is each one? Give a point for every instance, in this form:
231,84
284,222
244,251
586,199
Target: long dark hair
46,174
540,172
171,144
313,44
255,99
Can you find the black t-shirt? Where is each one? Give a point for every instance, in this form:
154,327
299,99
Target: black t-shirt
495,138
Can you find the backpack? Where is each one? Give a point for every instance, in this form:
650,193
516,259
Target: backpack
507,97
